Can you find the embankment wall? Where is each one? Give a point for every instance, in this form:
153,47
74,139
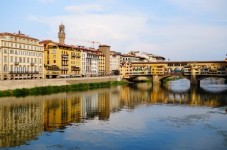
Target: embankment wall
18,84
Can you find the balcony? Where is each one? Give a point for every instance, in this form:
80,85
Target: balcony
65,58
64,69
55,72
16,63
78,56
64,55
64,64
23,72
74,68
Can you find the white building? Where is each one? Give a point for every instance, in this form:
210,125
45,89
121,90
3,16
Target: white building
149,57
90,62
132,58
115,59
22,57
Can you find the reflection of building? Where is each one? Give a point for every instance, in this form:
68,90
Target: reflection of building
60,110
21,120
21,57
89,105
104,106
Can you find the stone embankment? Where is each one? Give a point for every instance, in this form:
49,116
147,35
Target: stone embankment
19,84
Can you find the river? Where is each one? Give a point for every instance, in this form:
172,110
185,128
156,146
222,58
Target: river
138,116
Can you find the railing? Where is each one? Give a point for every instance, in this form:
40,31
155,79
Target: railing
78,56
16,63
65,64
23,72
64,69
65,58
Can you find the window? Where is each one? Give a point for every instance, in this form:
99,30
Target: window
54,61
27,60
20,59
5,51
11,58
11,51
5,58
11,68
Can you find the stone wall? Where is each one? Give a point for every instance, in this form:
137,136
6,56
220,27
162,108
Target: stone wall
15,84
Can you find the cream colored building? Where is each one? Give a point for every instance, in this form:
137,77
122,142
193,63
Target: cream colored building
21,57
115,59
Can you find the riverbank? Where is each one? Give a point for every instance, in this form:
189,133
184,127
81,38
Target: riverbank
19,84
57,89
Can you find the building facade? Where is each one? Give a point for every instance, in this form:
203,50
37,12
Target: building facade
105,49
90,62
115,59
61,60
148,56
21,57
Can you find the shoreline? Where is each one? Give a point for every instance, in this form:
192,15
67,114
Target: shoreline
19,84
45,90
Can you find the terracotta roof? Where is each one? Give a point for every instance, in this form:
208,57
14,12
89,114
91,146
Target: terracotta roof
45,42
169,62
20,35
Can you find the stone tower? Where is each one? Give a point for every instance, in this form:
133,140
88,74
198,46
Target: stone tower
61,34
105,49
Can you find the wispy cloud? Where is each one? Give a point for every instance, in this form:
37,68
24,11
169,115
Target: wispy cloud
214,6
185,37
85,8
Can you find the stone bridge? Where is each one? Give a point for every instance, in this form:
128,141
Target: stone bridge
194,71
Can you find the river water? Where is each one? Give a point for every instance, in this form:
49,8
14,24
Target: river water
138,116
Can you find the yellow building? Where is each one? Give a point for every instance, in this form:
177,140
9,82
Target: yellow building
61,60
101,63
21,57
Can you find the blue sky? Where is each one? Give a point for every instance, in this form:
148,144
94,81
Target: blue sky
175,29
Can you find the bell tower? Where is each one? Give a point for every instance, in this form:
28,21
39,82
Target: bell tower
61,34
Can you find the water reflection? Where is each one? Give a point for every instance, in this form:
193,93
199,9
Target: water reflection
24,119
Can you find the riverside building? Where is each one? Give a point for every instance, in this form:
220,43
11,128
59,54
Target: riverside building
21,57
61,60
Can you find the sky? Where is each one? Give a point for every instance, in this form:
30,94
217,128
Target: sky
175,29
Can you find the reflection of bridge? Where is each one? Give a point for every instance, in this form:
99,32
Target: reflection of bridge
193,70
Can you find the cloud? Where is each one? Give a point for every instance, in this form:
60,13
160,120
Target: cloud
107,28
84,8
212,6
177,38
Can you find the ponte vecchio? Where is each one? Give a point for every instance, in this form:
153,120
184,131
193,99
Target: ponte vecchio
194,71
